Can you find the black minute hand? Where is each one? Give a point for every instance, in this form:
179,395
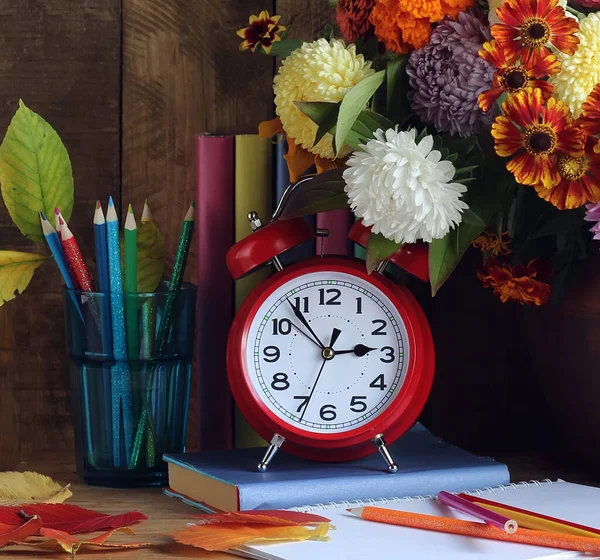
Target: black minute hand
303,320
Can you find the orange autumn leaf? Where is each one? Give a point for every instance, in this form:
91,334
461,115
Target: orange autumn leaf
227,536
264,517
15,534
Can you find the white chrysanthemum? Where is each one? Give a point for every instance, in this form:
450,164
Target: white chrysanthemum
404,189
495,4
318,71
580,72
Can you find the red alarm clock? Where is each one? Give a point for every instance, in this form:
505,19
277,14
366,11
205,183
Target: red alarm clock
322,357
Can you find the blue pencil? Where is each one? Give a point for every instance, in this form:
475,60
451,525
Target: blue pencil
120,374
104,288
57,252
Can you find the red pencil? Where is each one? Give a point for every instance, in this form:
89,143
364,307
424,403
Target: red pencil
75,258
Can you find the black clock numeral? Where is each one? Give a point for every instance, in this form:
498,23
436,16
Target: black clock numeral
304,301
359,306
302,404
358,404
378,383
390,356
282,326
271,354
280,382
333,300
328,413
380,330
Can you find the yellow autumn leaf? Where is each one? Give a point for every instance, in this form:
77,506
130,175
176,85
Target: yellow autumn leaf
16,271
18,488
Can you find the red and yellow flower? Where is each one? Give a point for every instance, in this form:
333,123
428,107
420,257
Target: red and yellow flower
521,283
529,26
493,244
580,180
590,117
532,133
512,77
263,30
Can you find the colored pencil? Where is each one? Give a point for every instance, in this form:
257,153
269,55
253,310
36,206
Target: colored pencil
57,218
131,316
120,374
148,308
533,520
477,530
490,517
75,258
104,288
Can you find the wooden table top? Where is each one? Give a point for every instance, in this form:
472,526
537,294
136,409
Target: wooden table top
168,514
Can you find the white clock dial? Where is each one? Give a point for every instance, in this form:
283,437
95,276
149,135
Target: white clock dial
339,387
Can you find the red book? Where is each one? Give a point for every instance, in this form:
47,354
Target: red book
338,222
215,307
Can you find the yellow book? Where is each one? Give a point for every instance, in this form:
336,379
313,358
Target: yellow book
253,192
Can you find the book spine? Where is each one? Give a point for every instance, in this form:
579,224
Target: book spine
214,230
338,223
253,192
282,182
330,493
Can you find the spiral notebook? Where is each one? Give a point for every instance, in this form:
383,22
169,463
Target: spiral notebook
356,539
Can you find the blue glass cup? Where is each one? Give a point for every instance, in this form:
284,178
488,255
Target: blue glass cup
128,412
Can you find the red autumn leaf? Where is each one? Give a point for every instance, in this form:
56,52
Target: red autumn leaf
264,517
68,518
12,533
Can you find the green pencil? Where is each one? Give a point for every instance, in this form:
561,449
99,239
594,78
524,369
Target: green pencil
131,315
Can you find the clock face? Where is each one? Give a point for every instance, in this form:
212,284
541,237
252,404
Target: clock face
327,352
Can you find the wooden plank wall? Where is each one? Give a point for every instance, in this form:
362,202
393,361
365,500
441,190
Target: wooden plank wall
127,84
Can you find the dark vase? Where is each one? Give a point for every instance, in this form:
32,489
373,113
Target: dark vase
564,342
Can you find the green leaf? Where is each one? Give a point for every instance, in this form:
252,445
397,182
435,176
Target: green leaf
379,248
319,193
285,47
327,33
469,217
35,172
397,106
318,111
364,127
16,271
150,256
353,103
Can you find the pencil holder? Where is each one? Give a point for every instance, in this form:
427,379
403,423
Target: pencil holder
130,363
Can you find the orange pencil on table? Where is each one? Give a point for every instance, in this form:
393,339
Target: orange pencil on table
75,258
477,530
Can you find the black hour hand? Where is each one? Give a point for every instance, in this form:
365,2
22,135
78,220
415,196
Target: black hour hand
359,350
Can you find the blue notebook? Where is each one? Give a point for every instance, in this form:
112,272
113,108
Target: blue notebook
228,480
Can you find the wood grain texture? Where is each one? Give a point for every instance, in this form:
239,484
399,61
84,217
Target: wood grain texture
64,61
183,74
307,17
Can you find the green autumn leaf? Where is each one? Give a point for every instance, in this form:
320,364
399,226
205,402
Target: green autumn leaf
150,256
285,47
16,271
397,105
353,103
35,172
379,249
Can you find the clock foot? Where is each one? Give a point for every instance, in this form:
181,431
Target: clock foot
276,442
379,444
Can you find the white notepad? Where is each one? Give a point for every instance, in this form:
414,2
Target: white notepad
357,539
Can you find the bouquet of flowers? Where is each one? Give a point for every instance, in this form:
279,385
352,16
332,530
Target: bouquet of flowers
451,123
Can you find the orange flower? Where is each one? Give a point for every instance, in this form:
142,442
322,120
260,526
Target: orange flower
512,78
404,25
263,30
519,283
528,26
590,118
580,180
297,158
491,243
532,133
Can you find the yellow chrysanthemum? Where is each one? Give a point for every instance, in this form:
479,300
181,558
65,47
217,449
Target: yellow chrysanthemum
319,71
580,72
